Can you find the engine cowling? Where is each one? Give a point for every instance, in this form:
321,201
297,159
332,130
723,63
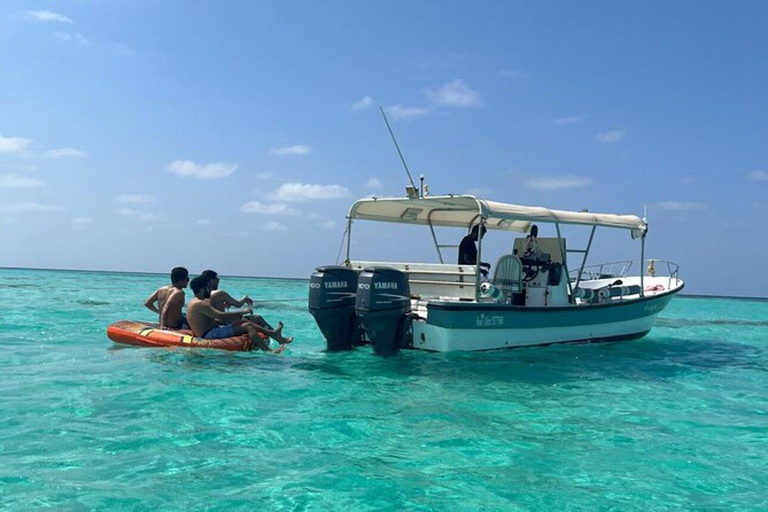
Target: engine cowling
383,306
332,293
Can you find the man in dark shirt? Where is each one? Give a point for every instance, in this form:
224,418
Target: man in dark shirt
468,250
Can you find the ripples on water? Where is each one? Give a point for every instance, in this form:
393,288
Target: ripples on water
678,419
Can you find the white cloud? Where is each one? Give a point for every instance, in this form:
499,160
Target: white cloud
298,149
19,181
681,206
401,112
267,209
273,226
76,38
13,144
28,207
328,224
135,214
82,220
134,198
611,136
455,94
48,16
306,191
188,168
203,222
65,153
565,121
558,182
758,176
361,104
374,183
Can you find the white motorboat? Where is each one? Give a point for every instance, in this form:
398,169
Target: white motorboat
530,297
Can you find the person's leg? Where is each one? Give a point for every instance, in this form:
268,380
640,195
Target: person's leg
275,334
255,338
259,320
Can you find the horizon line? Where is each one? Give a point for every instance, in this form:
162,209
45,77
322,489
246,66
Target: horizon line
140,272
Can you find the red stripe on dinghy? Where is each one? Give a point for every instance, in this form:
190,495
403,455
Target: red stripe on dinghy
145,334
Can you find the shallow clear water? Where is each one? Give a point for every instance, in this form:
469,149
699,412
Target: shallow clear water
677,419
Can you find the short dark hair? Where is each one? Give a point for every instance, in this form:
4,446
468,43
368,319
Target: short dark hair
476,228
210,274
199,283
179,274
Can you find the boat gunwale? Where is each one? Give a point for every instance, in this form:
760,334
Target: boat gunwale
494,306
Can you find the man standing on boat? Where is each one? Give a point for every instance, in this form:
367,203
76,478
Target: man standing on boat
170,300
205,320
468,250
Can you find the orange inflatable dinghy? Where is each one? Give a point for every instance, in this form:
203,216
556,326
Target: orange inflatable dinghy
145,334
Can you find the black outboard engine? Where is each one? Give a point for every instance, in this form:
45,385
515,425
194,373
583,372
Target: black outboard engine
383,306
332,292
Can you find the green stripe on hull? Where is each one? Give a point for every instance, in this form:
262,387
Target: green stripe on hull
457,315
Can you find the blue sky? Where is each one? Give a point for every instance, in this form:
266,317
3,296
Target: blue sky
143,135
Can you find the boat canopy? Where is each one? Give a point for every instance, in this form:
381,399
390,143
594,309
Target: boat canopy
464,211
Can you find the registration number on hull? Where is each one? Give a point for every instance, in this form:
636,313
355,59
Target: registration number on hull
489,320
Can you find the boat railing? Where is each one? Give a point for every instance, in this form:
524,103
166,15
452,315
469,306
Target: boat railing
603,270
431,279
619,269
656,267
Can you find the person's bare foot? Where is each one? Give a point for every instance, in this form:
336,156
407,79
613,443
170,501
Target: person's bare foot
280,349
283,340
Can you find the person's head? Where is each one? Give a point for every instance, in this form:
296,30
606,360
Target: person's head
213,277
179,277
475,230
201,287
534,231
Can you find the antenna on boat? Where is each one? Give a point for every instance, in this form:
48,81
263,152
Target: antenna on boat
397,146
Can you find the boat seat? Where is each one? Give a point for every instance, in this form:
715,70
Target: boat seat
508,275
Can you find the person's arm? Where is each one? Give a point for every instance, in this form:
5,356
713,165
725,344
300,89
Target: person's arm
230,301
176,300
150,303
225,316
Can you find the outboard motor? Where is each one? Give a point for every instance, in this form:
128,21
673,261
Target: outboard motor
383,306
332,292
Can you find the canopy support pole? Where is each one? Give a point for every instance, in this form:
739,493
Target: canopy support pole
565,262
642,266
349,238
586,253
434,238
480,228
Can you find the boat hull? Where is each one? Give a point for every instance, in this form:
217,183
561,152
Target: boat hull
456,326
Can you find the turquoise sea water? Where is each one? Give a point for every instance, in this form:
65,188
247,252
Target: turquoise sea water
677,419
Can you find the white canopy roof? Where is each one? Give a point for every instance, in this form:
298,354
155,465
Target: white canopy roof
463,211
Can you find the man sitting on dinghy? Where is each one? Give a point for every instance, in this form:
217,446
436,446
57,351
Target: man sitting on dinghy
203,319
222,301
170,300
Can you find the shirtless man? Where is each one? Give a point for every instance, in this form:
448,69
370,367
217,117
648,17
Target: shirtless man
221,300
203,319
170,300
